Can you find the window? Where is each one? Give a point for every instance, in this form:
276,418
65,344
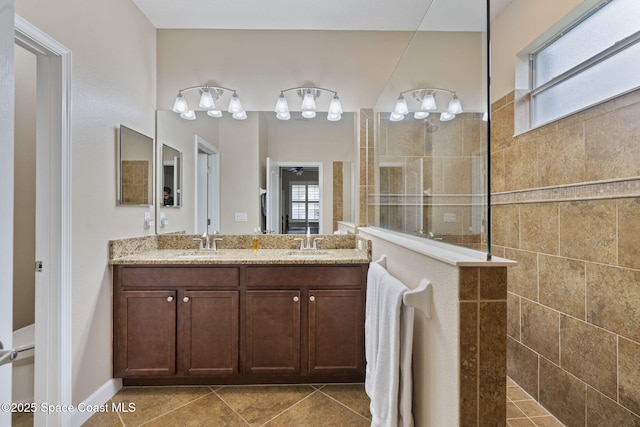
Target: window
590,61
305,202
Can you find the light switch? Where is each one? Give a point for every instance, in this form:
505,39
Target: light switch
241,217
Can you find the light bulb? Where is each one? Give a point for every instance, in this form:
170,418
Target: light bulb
420,114
283,116
180,104
214,113
395,117
446,116
188,115
335,107
206,100
282,106
308,102
454,105
333,117
240,115
401,106
235,106
428,102
308,114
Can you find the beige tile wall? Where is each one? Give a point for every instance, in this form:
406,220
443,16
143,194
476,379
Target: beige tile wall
482,299
566,206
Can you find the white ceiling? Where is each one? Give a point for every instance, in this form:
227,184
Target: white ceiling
382,15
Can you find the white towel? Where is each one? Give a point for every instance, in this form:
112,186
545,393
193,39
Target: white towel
388,348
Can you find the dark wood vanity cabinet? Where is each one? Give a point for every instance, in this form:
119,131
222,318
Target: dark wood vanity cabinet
305,320
239,324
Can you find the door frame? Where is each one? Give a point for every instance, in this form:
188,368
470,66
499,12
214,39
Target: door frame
53,349
213,184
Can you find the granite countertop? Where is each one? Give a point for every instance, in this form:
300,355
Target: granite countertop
244,256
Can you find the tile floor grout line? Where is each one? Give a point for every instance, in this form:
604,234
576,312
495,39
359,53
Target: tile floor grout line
290,407
176,408
343,404
229,406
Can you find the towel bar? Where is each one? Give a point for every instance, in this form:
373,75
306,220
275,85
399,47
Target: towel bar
420,297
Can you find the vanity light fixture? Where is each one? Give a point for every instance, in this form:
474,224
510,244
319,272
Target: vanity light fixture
425,97
208,97
309,96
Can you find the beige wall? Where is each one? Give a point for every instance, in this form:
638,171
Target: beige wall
114,60
259,64
565,206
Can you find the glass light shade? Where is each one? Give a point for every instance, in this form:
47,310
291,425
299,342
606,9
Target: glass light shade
401,106
333,117
395,117
188,115
235,106
335,107
283,116
454,105
180,104
214,113
308,102
309,114
206,100
420,114
428,102
240,115
282,106
446,116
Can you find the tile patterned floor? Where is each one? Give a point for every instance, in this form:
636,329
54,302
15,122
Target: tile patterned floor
524,411
271,406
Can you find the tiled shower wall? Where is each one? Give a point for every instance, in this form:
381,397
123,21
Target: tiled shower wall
566,206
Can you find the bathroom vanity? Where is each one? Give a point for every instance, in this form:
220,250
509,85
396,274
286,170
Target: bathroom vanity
239,317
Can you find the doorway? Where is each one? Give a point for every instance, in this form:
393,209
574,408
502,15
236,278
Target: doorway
52,373
300,199
280,201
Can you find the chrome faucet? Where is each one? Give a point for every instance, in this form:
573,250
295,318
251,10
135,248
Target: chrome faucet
306,243
208,242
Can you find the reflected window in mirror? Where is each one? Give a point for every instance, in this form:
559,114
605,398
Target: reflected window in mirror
171,177
135,168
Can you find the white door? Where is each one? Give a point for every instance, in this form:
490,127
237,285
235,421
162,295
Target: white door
207,190
273,196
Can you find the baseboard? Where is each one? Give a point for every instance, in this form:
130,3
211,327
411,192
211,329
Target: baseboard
99,398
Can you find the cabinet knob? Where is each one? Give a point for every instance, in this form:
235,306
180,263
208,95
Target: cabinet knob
296,299
169,299
185,299
312,298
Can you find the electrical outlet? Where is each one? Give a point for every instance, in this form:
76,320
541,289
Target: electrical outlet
450,217
241,217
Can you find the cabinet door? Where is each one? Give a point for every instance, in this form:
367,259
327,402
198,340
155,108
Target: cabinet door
145,334
273,332
209,332
336,331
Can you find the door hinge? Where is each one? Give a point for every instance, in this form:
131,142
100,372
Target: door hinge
38,266
208,221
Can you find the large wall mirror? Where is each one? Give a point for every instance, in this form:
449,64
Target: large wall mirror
135,168
240,150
